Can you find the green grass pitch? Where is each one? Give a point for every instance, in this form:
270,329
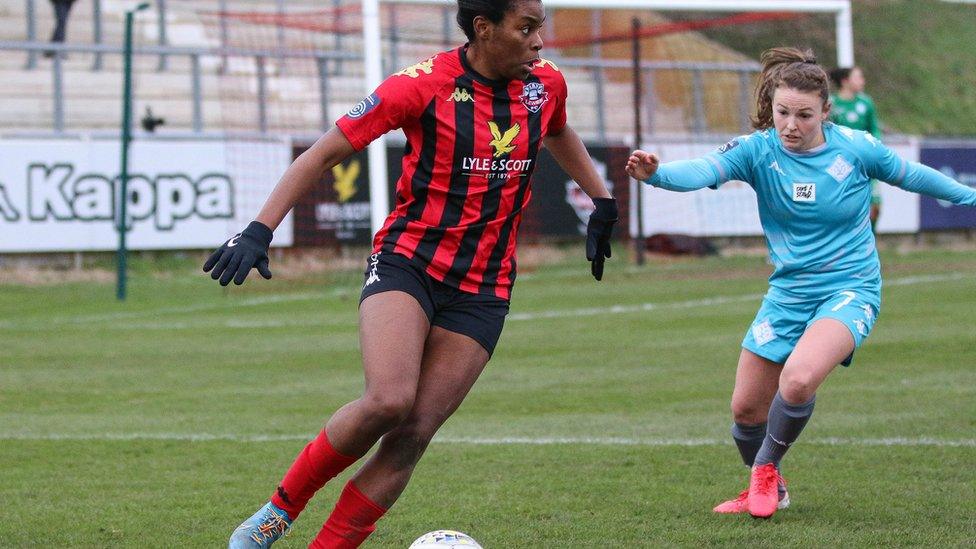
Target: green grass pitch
602,420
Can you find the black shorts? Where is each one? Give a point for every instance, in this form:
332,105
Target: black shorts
478,316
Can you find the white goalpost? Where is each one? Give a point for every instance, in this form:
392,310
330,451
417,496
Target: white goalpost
372,46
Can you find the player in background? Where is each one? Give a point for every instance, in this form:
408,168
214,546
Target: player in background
853,108
438,282
812,180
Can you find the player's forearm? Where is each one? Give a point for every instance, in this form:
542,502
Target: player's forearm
925,180
304,173
684,176
298,179
568,150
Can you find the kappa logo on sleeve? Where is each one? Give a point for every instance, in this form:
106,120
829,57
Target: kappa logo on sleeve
413,71
364,107
546,63
728,146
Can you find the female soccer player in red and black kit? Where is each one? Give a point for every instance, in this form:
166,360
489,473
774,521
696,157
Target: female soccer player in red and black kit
439,279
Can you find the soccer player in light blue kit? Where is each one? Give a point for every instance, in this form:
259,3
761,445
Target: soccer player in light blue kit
813,183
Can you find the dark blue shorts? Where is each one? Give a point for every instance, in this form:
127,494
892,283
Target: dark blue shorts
480,317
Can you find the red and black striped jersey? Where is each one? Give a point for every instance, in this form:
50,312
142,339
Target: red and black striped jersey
472,145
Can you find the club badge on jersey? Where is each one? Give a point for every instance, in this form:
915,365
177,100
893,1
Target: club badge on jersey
840,169
534,96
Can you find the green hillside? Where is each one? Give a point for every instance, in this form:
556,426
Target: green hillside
917,55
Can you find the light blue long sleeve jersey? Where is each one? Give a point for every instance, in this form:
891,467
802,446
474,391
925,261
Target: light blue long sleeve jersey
814,205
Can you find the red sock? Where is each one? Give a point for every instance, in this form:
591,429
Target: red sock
313,467
351,522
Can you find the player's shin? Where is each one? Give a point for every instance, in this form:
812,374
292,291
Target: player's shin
315,465
748,439
786,422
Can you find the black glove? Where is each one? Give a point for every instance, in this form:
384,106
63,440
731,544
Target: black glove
598,232
236,258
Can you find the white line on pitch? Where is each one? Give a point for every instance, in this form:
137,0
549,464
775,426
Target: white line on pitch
621,309
489,441
332,320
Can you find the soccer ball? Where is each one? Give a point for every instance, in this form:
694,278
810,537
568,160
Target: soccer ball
445,539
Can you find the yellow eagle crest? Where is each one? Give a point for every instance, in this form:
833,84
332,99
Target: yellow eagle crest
503,143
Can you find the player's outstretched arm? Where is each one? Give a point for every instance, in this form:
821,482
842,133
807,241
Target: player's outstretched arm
922,179
249,248
568,150
680,176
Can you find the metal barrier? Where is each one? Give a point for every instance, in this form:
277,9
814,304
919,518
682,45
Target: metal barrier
330,63
322,59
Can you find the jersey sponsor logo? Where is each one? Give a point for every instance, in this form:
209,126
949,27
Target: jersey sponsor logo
861,108
728,146
494,169
804,192
763,333
774,165
413,71
502,142
840,169
461,95
495,166
852,117
364,106
534,96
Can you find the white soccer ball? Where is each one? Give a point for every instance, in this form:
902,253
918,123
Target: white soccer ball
445,539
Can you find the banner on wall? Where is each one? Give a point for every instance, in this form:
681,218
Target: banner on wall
958,163
61,195
337,210
732,210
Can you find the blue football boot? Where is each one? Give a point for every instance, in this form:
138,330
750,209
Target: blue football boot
265,527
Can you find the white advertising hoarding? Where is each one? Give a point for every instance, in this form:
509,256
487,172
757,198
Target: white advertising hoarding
60,194
732,210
